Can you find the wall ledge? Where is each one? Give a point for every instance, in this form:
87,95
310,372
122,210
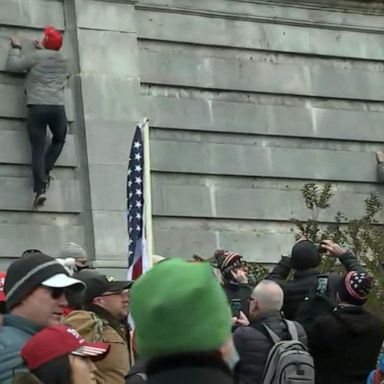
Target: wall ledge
305,21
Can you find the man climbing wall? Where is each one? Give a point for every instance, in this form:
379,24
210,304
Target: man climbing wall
45,80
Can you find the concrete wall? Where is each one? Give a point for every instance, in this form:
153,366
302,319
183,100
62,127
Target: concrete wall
62,218
248,100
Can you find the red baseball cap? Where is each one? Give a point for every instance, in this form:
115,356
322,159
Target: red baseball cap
2,278
53,342
53,39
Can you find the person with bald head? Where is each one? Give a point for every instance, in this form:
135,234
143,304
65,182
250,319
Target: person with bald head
252,341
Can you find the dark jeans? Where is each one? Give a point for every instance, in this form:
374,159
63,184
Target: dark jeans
39,117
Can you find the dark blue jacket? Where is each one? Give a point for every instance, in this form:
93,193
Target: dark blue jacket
15,332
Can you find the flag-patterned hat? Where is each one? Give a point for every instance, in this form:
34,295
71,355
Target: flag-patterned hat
355,287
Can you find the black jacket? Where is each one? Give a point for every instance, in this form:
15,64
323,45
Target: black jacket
238,291
303,282
189,369
253,345
345,345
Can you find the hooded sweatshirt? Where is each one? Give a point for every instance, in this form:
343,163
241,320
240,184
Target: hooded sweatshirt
345,345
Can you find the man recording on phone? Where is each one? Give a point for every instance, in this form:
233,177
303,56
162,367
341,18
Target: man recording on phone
307,282
234,281
252,341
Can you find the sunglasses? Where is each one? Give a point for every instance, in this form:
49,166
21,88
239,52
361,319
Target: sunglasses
56,293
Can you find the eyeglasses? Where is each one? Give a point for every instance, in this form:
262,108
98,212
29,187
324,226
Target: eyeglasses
56,293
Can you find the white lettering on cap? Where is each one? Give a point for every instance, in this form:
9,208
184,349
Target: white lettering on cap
74,333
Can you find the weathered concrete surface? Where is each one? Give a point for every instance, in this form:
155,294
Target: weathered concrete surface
110,95
308,120
247,101
58,221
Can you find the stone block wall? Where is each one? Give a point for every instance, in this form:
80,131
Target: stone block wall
247,100
250,100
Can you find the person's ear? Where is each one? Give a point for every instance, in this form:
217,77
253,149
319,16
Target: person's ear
97,300
254,306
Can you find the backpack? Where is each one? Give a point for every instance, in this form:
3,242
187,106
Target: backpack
321,300
289,361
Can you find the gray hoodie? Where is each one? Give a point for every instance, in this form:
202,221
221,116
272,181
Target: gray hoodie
46,75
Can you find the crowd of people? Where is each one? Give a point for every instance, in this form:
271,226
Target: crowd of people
189,322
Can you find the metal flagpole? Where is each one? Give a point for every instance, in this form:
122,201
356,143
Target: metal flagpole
147,192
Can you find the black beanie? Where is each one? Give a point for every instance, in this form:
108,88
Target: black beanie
305,255
26,274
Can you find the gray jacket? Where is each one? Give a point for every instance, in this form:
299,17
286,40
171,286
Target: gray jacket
46,75
16,331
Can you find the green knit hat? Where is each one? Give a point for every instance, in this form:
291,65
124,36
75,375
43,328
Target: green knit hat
179,307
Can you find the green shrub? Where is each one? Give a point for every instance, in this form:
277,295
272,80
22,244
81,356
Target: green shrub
364,237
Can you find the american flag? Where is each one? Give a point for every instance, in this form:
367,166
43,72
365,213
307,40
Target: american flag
135,207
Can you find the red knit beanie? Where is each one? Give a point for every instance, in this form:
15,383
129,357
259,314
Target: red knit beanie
227,260
53,39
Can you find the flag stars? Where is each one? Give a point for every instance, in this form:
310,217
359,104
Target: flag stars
135,201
